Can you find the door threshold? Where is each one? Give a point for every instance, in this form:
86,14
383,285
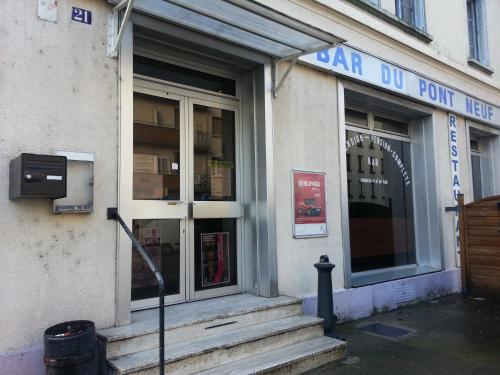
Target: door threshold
155,306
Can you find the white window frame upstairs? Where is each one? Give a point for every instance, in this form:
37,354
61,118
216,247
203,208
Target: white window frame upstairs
477,32
417,9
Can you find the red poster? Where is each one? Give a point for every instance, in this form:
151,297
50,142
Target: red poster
309,204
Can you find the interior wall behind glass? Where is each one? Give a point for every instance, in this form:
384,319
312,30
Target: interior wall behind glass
380,202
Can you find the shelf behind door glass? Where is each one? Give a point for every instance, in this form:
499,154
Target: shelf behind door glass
214,154
156,148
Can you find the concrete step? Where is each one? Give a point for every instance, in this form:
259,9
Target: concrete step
202,353
196,319
293,359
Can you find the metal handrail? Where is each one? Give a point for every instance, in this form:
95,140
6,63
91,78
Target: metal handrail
113,215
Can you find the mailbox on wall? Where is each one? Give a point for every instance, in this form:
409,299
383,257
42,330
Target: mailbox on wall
37,176
80,194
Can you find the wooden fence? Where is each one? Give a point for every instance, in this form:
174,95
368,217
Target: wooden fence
480,246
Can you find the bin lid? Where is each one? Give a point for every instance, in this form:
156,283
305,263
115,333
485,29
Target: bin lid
68,329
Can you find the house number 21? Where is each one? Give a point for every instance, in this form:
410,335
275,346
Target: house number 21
81,15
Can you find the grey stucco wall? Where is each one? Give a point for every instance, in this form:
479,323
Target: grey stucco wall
58,91
306,138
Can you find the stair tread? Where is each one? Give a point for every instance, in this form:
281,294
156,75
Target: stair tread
178,351
146,322
277,358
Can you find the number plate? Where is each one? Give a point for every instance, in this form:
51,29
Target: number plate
81,15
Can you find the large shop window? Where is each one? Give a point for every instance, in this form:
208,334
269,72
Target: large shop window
380,192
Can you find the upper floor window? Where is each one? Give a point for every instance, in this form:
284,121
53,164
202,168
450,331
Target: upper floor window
476,19
412,12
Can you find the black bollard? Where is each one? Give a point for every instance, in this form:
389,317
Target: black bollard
325,294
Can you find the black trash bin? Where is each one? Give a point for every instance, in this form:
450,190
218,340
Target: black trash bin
71,348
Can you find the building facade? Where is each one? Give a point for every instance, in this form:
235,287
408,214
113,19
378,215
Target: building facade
195,128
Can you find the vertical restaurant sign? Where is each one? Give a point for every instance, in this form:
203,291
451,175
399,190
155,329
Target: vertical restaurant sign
215,265
455,176
309,204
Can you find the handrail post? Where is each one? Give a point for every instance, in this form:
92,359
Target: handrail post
112,214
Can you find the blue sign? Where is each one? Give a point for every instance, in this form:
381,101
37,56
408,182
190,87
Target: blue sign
455,173
359,65
81,15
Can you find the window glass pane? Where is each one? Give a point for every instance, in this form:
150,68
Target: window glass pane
474,145
156,148
356,118
215,253
481,31
473,32
419,10
185,76
214,154
380,203
389,125
161,241
405,11
476,177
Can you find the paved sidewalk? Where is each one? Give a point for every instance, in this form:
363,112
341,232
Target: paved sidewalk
450,335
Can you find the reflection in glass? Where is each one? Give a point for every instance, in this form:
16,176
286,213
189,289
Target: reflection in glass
215,253
356,118
161,241
380,204
156,148
476,177
214,154
390,125
183,75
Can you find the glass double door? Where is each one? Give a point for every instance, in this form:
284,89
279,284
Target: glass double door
184,205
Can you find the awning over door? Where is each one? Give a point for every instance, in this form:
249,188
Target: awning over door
242,22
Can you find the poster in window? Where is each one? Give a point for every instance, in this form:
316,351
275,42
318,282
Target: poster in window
309,204
215,265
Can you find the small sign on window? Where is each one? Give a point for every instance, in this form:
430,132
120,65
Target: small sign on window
81,15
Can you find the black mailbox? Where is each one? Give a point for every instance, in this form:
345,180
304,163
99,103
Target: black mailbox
37,176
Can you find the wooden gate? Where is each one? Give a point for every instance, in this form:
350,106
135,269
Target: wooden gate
480,246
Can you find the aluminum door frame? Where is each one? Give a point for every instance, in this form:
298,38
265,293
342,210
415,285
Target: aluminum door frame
215,209
151,209
156,209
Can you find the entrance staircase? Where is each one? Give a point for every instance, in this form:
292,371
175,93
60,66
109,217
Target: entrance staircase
239,334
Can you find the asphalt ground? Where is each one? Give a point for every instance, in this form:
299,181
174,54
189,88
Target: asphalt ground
449,335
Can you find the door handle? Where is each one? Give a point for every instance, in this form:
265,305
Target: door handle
175,203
